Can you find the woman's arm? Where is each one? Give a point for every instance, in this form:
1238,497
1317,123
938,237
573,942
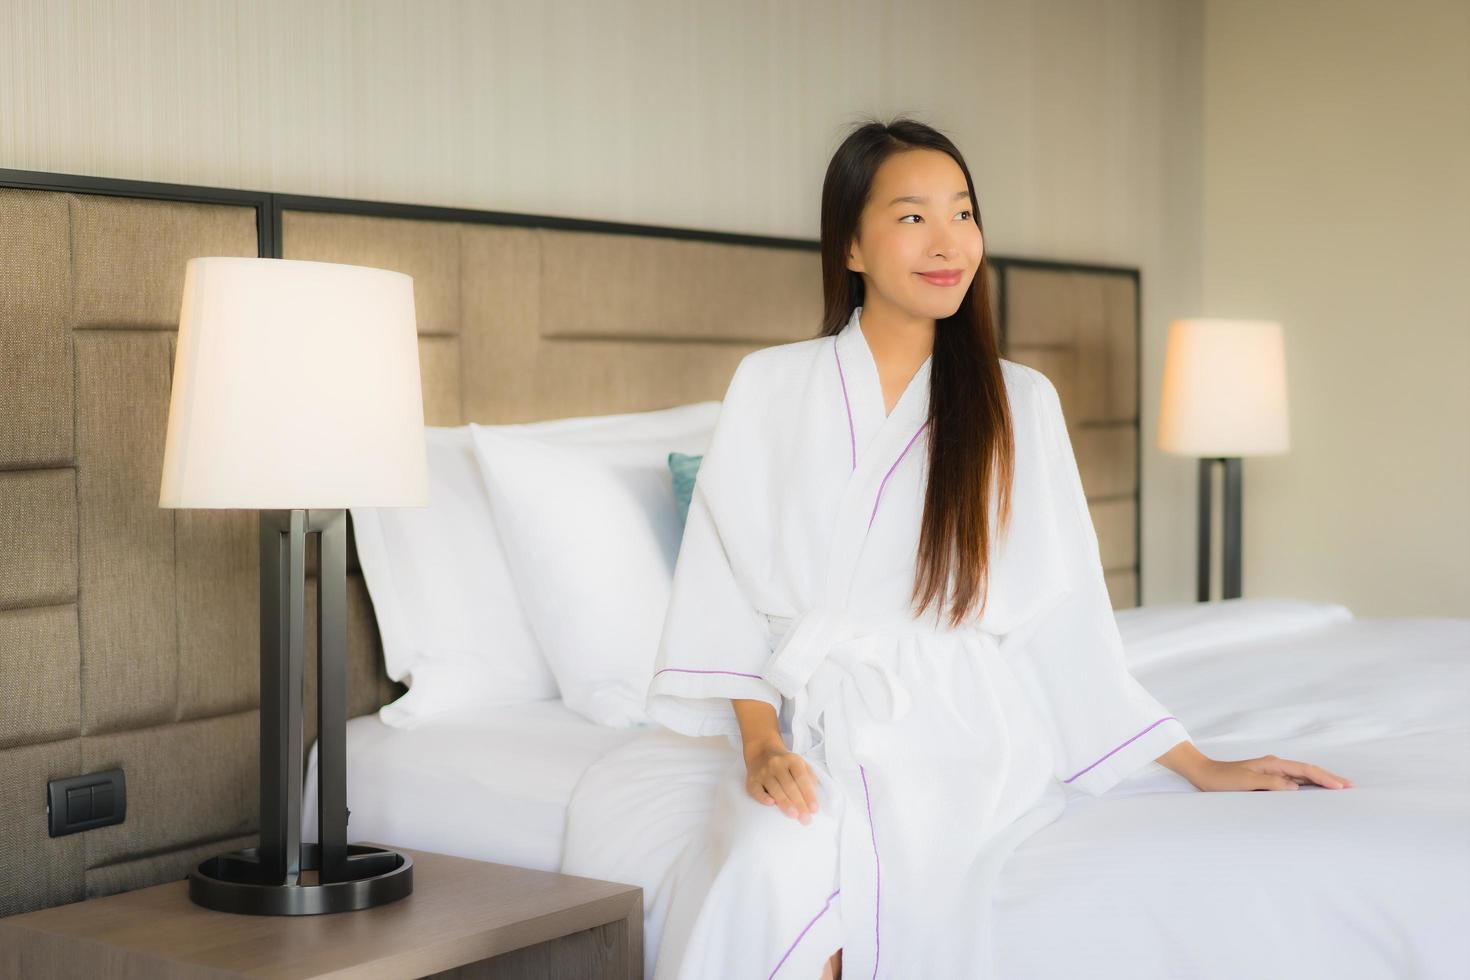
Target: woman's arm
774,775
759,726
1266,772
1184,759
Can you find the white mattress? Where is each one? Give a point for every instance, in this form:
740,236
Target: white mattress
490,784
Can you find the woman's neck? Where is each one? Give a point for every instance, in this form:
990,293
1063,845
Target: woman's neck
897,339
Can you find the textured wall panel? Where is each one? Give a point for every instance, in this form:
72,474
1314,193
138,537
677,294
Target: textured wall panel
128,256
502,317
1107,458
439,368
426,250
1045,307
35,344
598,284
171,866
514,374
1059,364
1122,589
40,675
1116,522
188,782
217,565
36,869
574,377
38,537
126,598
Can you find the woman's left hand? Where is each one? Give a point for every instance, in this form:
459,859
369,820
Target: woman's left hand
1266,772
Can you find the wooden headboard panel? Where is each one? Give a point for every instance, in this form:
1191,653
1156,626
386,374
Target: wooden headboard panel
129,635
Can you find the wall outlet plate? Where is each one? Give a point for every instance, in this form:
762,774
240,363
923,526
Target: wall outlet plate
83,802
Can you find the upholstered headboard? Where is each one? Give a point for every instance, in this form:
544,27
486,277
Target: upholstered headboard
129,635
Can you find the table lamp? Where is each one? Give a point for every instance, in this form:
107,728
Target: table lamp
296,394
1224,397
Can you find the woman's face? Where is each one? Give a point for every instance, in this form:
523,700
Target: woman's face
918,219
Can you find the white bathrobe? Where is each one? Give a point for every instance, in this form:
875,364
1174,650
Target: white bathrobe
937,749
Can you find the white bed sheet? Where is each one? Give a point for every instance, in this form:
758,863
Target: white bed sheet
1158,880
491,784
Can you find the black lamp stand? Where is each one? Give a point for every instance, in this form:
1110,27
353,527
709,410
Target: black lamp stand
266,880
1231,520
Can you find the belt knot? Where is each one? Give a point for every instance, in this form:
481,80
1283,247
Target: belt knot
822,653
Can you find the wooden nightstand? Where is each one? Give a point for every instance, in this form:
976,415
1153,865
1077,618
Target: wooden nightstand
465,919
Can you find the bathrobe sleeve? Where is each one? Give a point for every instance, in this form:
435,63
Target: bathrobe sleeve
714,643
1105,725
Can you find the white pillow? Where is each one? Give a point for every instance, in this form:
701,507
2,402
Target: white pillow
587,517
451,623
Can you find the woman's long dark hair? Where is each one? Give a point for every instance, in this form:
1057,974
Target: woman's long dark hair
970,439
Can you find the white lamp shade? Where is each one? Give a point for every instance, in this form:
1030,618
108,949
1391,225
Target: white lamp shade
1224,390
295,385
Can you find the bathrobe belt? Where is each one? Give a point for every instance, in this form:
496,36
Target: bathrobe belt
818,654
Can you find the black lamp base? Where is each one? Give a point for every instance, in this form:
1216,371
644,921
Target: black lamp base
236,882
266,880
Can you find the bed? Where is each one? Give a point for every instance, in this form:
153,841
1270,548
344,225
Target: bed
1154,879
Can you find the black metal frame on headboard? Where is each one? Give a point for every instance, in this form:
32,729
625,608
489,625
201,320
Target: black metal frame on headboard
269,207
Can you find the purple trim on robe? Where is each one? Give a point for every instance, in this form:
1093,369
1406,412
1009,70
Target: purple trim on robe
877,876
851,432
1124,745
798,939
890,472
694,670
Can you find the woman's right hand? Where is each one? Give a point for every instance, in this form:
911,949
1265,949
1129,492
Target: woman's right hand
777,776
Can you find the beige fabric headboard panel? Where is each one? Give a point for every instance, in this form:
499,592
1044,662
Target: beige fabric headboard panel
531,323
115,649
1079,327
129,635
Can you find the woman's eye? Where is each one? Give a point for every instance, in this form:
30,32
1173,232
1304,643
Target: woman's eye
907,216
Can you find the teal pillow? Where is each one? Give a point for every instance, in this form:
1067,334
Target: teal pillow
684,467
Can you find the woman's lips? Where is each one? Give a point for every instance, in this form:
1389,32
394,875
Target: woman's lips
951,278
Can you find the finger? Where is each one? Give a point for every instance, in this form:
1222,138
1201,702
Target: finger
779,794
755,789
806,782
1327,778
1307,772
793,793
1273,782
1322,777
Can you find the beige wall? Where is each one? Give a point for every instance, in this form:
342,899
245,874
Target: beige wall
1103,132
1337,200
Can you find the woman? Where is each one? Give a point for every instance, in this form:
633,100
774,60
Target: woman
889,562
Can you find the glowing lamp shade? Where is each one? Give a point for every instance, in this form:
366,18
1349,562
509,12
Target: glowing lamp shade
1224,389
296,386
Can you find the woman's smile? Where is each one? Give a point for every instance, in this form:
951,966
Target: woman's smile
944,277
